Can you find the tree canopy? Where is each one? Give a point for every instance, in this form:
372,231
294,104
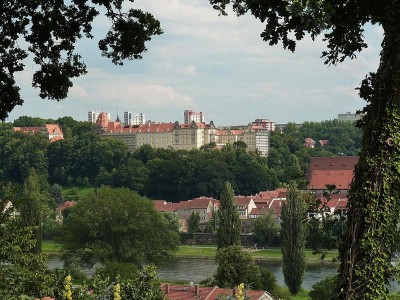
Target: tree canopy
117,225
50,30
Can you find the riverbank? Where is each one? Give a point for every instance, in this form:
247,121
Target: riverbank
200,251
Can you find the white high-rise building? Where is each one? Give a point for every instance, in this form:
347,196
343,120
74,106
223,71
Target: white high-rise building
92,116
131,118
189,116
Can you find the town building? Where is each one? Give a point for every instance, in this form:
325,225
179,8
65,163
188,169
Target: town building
132,118
338,171
349,116
51,131
185,136
190,116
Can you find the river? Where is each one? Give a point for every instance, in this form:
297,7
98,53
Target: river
195,270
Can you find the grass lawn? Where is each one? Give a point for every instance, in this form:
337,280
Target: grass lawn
75,193
50,247
275,253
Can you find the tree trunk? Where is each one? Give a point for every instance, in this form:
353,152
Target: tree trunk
374,197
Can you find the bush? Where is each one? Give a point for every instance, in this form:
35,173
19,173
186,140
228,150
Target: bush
325,289
281,293
114,269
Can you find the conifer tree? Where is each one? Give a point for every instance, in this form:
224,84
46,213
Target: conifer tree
293,239
228,233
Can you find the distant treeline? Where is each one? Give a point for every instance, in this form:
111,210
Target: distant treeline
84,158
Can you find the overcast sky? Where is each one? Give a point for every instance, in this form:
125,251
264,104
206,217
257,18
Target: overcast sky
217,65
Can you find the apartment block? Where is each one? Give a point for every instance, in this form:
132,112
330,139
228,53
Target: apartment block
132,118
190,116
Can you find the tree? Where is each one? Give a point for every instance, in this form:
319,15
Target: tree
31,209
194,222
23,271
265,228
373,205
234,267
229,226
117,225
50,33
293,239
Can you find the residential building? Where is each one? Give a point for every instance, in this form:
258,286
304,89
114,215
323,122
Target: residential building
244,206
185,136
92,116
309,143
206,207
338,171
190,116
265,123
51,131
349,116
131,118
256,137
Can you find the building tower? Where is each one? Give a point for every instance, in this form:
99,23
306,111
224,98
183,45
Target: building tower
189,116
131,118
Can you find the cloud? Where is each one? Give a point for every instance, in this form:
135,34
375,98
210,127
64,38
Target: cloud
143,95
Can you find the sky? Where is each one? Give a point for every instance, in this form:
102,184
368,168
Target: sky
217,65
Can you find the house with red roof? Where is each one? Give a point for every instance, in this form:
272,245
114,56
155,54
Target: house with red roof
179,292
51,131
244,206
206,207
61,208
338,171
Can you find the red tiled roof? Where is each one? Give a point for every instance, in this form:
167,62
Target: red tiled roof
242,201
162,205
257,211
65,205
205,293
27,129
201,202
323,142
331,170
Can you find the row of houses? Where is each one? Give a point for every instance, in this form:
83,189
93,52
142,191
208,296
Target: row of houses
322,171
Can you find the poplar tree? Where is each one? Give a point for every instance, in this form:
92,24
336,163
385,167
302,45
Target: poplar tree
293,239
228,232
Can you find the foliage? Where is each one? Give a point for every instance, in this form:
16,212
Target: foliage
325,289
194,222
268,280
265,228
50,33
56,193
229,226
234,267
288,157
293,239
20,152
324,228
23,271
117,225
281,293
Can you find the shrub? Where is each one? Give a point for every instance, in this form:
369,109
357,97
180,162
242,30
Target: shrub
325,289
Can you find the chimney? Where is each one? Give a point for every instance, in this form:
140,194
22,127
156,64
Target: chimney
197,290
167,288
